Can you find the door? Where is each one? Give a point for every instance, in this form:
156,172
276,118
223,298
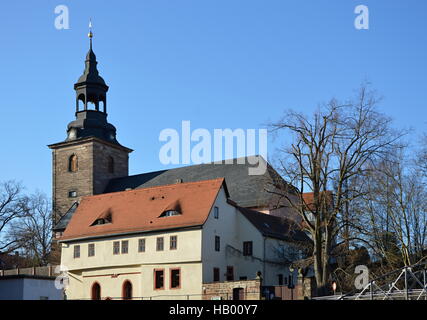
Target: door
238,294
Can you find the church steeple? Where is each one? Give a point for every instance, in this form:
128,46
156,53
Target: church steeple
91,103
91,87
90,156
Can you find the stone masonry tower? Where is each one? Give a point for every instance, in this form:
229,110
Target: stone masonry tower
90,156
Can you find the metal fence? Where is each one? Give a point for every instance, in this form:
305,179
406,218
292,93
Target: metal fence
407,283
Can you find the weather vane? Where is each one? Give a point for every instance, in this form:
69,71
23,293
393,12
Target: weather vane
90,34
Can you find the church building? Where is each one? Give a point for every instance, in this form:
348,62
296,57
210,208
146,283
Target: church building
162,234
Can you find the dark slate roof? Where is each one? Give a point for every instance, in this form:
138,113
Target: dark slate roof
63,222
246,190
273,226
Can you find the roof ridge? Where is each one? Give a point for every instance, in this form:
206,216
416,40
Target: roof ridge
219,162
155,187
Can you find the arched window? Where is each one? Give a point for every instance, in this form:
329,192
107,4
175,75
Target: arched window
73,163
110,165
96,291
80,103
127,290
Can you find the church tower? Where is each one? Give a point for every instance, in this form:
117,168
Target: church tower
90,156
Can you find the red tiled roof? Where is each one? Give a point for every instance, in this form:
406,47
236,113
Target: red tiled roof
139,210
309,198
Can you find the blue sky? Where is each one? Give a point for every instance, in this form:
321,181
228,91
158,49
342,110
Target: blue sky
220,64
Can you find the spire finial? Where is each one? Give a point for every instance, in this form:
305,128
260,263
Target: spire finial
90,34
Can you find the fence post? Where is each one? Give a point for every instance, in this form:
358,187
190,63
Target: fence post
371,286
406,284
425,284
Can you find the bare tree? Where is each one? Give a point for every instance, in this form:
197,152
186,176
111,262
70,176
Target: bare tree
326,152
396,212
12,207
33,231
421,160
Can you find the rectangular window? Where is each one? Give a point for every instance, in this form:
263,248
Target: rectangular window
216,275
76,252
125,246
230,273
175,278
141,245
159,279
247,248
217,243
290,280
160,245
216,213
72,194
116,247
280,276
91,250
173,242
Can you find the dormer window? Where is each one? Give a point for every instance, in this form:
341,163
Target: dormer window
103,219
170,213
99,222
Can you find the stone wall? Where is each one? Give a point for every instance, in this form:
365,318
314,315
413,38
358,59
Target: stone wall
224,290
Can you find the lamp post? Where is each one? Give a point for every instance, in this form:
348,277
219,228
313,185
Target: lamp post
291,282
334,287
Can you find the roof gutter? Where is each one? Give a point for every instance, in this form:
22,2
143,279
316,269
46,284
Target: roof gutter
196,227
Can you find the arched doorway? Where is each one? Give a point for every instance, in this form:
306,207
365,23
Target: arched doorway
127,290
96,291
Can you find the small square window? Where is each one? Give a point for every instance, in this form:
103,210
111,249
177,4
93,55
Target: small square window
173,242
91,250
160,244
116,247
141,245
72,194
76,252
125,246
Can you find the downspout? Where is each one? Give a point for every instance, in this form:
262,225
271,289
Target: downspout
263,266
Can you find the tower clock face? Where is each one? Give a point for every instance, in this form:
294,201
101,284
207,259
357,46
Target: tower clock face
72,134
